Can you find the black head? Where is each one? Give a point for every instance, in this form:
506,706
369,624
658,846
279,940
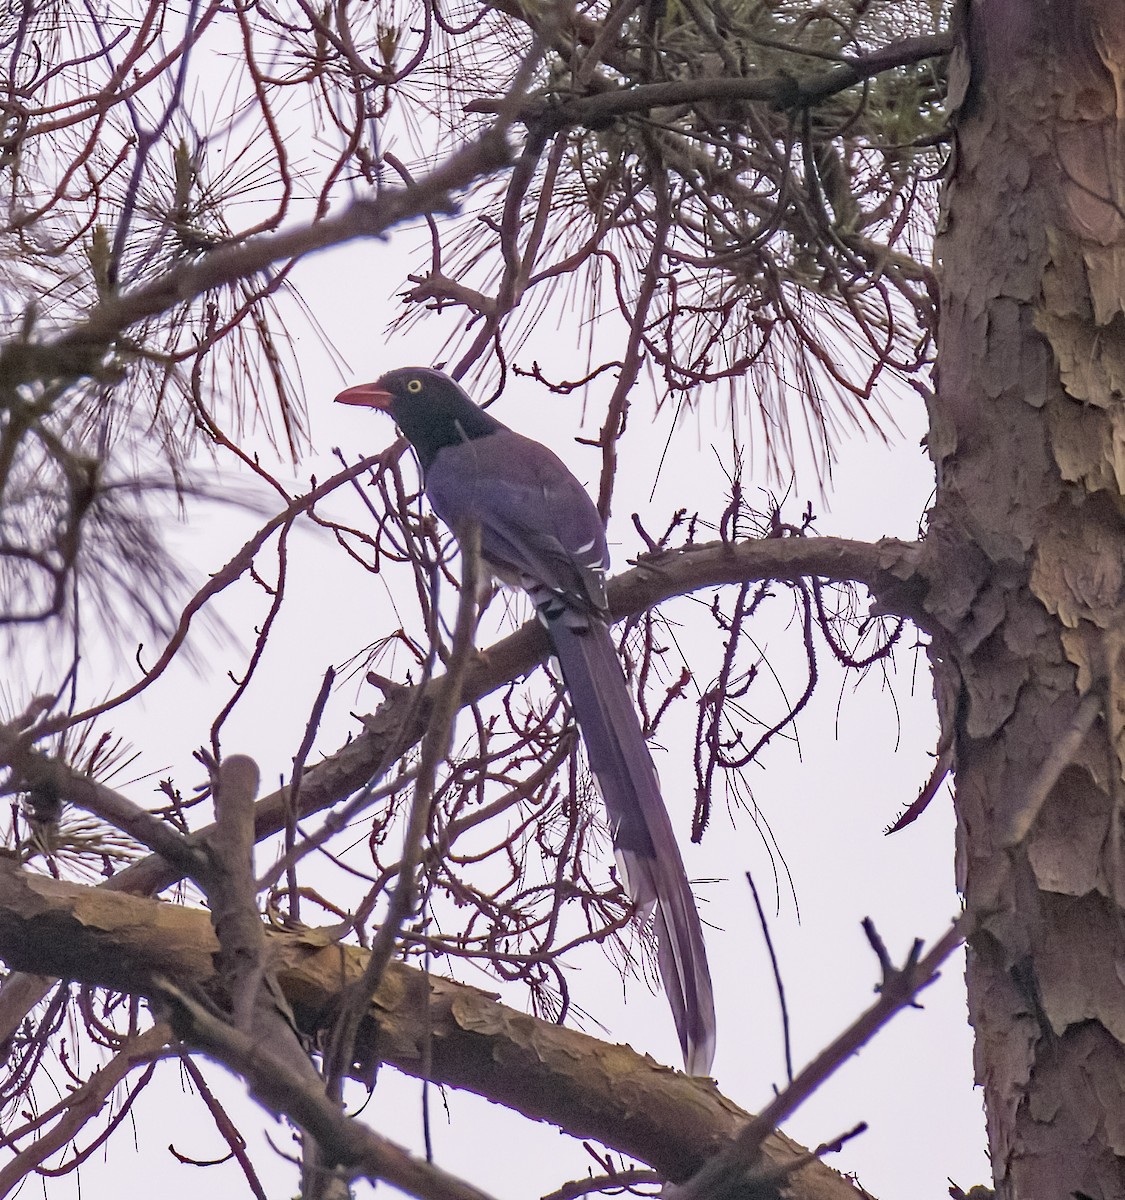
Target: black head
431,409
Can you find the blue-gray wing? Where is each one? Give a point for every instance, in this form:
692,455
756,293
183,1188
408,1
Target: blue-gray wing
539,529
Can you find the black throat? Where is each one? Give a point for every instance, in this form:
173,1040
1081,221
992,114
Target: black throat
440,421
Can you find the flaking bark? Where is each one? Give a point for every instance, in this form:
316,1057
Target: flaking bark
1027,434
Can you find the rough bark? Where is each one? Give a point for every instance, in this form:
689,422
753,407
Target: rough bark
1028,541
549,1073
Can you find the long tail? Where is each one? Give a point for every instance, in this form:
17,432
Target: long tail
643,839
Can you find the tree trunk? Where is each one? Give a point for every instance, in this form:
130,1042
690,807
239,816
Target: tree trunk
1028,541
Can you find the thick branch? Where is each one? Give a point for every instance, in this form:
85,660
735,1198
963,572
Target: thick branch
548,1073
260,1040
891,570
781,90
229,884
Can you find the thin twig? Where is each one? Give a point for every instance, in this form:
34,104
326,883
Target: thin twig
435,747
233,570
778,982
723,1175
299,760
81,1105
280,1089
336,820
1020,820
228,1130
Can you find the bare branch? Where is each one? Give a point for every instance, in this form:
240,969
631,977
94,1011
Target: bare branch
230,885
891,569
723,1176
79,1107
360,1150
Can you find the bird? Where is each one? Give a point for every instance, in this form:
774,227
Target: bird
540,531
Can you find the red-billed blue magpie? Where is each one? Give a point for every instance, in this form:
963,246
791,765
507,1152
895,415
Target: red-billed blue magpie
540,531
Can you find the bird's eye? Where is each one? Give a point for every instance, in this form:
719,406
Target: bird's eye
414,386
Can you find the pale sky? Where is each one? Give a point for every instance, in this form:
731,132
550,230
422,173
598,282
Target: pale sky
863,753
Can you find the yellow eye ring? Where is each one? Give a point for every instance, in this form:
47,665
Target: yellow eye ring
414,386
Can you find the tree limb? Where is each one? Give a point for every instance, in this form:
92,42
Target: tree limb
890,569
546,1072
781,90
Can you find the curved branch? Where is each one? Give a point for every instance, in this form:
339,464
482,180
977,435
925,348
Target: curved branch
891,570
781,90
547,1072
417,1022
